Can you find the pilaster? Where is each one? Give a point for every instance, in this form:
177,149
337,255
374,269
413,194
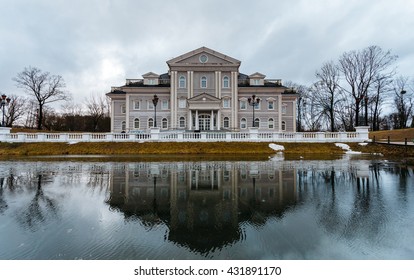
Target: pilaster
127,110
173,99
189,84
279,109
112,115
234,97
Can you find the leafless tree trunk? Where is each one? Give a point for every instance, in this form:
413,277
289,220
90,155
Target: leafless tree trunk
403,101
360,68
43,86
16,110
381,86
97,109
329,91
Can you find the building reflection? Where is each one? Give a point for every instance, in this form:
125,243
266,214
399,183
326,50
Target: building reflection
203,204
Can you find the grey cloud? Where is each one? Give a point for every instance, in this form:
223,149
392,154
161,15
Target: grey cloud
97,44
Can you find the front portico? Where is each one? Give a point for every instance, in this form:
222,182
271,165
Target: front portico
204,112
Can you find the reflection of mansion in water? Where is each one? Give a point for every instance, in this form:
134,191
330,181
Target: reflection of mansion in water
203,199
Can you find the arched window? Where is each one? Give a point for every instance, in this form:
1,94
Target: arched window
283,125
123,125
256,122
226,82
243,123
150,122
164,123
181,82
136,123
226,122
270,123
203,82
182,122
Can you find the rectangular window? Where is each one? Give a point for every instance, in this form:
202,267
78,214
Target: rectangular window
203,82
182,122
271,105
284,109
243,105
226,103
164,104
136,105
123,109
182,103
150,105
257,106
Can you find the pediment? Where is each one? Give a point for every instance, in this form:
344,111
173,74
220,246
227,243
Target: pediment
204,97
204,56
150,75
257,75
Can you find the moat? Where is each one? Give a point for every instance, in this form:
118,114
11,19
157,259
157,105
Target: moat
348,208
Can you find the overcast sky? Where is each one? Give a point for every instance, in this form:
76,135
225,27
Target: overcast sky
96,44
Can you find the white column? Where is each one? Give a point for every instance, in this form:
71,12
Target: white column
196,120
218,120
127,113
173,99
212,120
189,120
219,84
234,96
192,84
189,83
112,115
279,106
294,116
175,124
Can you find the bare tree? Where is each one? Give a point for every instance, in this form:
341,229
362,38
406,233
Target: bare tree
16,110
403,101
97,109
73,117
328,91
302,92
360,69
381,88
44,87
312,111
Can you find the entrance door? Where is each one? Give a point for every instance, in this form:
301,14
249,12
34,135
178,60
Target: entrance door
204,122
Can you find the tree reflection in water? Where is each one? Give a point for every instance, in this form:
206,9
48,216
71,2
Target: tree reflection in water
3,203
41,207
215,209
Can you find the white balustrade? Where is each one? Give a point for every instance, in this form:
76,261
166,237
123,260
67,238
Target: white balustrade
253,135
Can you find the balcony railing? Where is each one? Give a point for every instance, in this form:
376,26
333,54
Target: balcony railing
253,135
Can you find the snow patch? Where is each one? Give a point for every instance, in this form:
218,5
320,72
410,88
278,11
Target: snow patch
347,149
72,142
276,147
362,144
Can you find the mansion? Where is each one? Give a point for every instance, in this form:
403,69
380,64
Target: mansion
203,91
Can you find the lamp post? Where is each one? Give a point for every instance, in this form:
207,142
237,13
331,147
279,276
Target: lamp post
253,101
155,102
5,101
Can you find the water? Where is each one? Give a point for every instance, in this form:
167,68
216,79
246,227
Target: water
206,209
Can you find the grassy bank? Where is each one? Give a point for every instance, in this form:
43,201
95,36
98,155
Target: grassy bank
129,148
397,135
219,148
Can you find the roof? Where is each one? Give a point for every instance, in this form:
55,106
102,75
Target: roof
196,52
